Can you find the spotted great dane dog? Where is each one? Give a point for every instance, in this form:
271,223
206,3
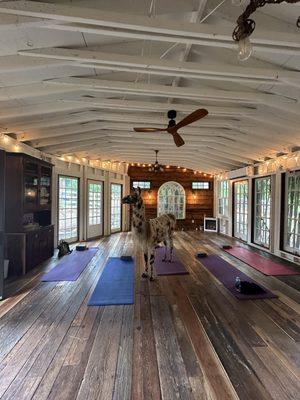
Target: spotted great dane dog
150,233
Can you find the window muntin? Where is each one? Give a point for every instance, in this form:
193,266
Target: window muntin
141,184
223,197
115,207
241,209
292,213
68,203
200,185
171,199
262,211
95,203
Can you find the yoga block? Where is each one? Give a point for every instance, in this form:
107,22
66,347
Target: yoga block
201,255
226,246
126,258
81,247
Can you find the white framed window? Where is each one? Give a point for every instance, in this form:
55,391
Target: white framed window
292,213
141,184
262,211
200,185
68,208
115,207
223,197
241,209
171,199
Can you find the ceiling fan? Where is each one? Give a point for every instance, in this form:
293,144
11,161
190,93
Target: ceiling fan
156,167
173,127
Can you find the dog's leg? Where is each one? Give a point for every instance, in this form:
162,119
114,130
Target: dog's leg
171,249
145,274
165,257
152,258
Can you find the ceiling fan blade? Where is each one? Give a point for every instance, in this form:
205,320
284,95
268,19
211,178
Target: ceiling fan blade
149,130
177,139
189,119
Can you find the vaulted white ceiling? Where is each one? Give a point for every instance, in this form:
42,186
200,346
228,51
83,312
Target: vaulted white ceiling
75,77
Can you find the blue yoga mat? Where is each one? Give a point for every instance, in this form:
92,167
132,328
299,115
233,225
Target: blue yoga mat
71,266
115,285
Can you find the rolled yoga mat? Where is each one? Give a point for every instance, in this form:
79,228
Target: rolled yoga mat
261,263
71,266
115,285
226,273
168,268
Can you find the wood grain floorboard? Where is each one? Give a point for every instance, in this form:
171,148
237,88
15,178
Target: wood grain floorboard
186,337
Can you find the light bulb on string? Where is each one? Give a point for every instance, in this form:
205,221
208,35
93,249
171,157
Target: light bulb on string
244,49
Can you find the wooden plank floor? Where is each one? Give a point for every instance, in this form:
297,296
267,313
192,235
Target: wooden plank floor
185,337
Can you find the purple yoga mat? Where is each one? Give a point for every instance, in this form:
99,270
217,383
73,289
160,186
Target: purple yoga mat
168,268
226,273
71,266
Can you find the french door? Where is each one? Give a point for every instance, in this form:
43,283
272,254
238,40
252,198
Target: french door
115,207
68,208
240,191
292,213
94,209
262,211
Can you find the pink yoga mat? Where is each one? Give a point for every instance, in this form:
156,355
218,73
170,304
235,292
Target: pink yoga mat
261,263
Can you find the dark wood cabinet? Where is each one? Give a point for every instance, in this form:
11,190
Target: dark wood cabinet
29,233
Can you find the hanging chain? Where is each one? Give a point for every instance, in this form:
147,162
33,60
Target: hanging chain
245,25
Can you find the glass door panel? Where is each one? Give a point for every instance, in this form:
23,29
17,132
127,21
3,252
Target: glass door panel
68,208
262,211
292,213
115,207
94,209
241,210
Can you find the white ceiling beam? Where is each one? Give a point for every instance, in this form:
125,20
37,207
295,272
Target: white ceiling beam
29,129
219,71
166,91
120,140
33,90
37,109
168,30
15,21
159,107
84,145
16,62
210,41
119,87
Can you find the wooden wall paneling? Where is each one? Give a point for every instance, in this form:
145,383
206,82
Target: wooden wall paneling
199,203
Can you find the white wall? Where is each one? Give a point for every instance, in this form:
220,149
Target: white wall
275,169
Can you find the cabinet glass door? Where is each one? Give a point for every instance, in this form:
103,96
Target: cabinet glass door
241,210
68,208
94,209
115,207
45,186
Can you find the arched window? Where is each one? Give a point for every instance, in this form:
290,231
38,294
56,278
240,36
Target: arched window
171,199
